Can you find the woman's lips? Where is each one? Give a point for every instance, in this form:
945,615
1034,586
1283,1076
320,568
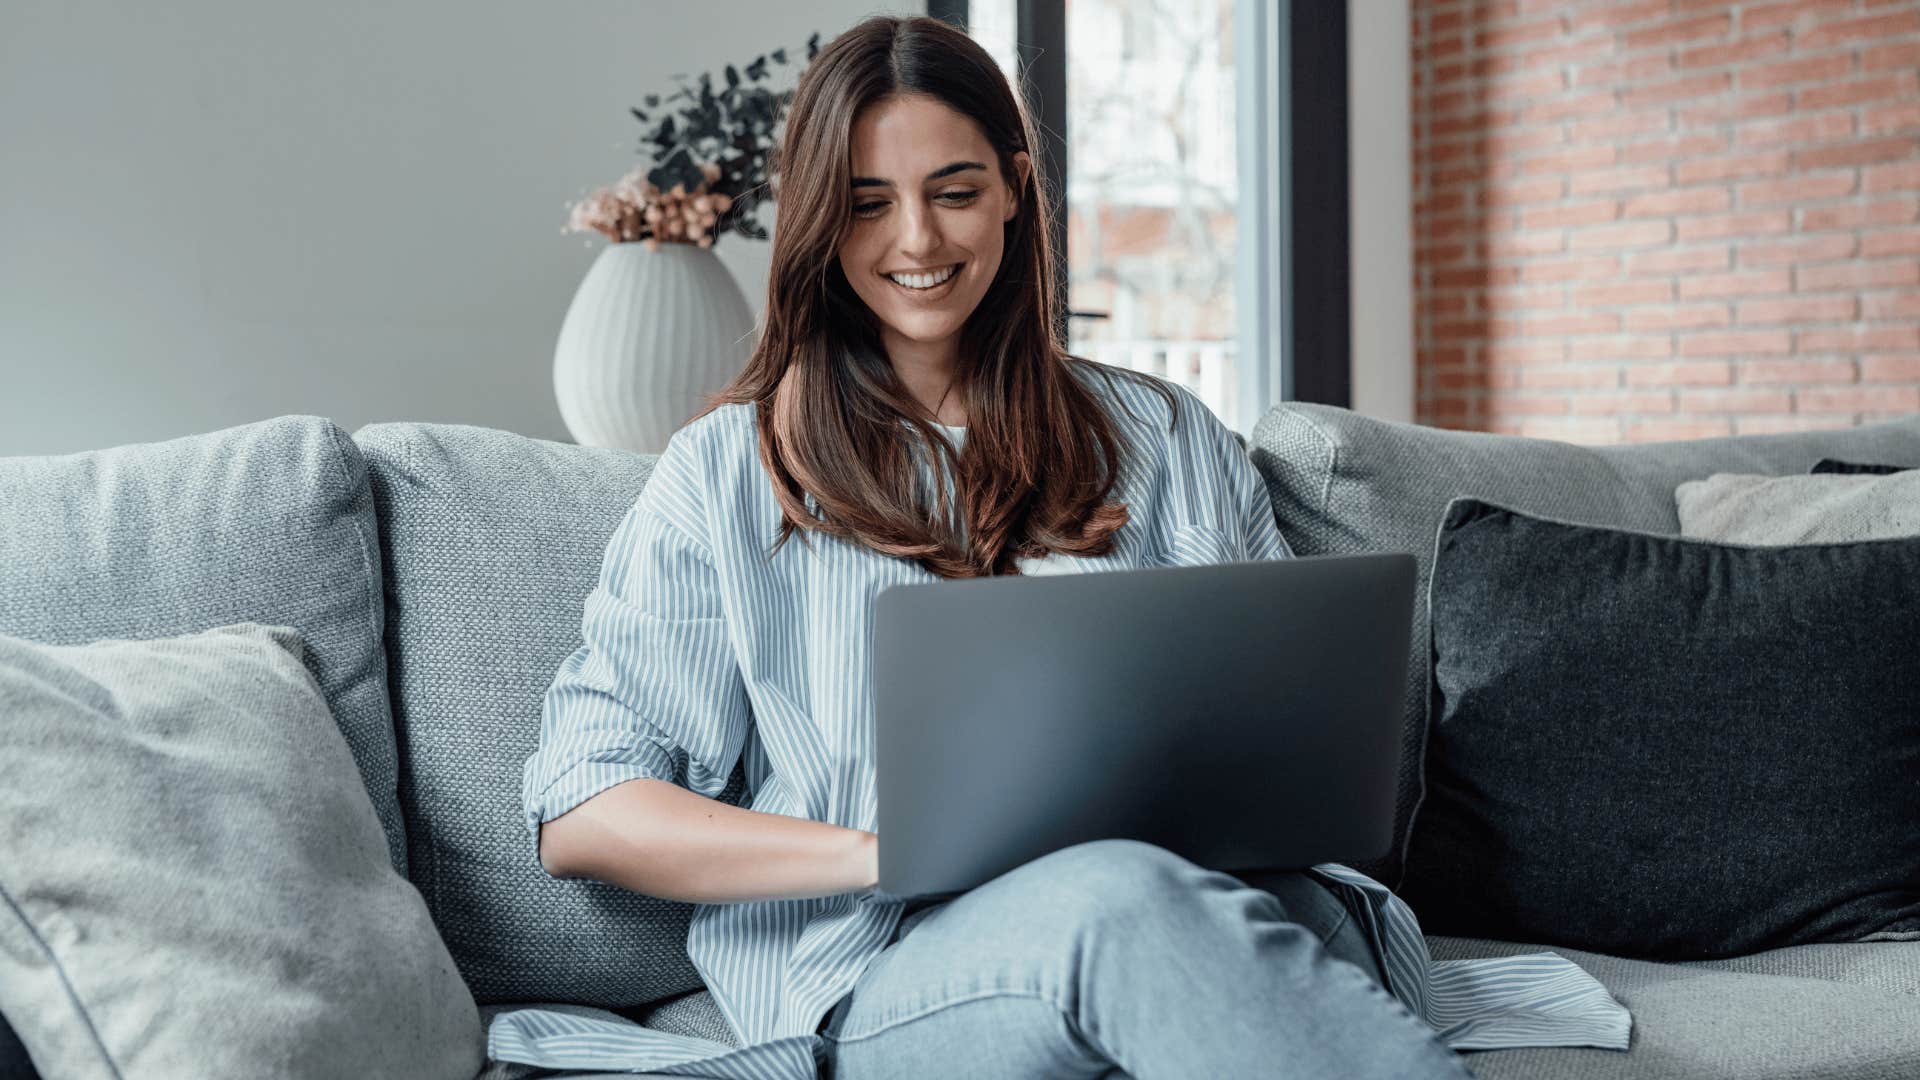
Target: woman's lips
937,292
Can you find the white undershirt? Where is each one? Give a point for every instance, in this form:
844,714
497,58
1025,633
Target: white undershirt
1053,562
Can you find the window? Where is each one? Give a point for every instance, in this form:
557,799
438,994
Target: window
1153,190
1185,129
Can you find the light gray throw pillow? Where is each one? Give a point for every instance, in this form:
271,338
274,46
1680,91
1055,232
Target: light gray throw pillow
1821,508
193,880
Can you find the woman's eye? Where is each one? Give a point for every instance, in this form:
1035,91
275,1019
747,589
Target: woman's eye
949,198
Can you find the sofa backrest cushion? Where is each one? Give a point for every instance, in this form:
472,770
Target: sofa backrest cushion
492,541
269,522
1342,482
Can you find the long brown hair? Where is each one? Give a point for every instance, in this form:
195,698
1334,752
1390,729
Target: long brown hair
1042,453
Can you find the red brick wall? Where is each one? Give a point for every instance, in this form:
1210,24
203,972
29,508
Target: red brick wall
1664,219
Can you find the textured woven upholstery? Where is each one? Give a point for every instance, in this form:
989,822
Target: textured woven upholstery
493,541
269,522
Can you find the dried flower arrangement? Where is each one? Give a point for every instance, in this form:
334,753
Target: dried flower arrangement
710,171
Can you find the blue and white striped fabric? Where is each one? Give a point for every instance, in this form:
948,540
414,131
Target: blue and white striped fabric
698,653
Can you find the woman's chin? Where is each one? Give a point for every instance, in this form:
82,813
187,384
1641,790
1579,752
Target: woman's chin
926,329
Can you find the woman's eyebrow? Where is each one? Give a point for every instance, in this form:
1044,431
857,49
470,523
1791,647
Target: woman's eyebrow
944,170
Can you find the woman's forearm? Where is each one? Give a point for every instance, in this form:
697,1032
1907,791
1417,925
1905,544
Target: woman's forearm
657,838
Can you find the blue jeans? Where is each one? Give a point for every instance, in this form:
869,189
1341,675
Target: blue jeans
1120,959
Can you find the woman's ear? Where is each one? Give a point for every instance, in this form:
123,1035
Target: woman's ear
1023,167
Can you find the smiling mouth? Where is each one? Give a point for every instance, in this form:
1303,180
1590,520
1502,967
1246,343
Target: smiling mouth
930,290
924,281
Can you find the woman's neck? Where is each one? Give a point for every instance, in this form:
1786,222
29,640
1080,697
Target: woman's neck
927,370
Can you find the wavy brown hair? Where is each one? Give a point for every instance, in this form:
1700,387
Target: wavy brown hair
1042,455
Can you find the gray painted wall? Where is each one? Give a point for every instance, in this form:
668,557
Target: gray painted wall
213,211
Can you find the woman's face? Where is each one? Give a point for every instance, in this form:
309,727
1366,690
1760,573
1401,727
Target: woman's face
927,197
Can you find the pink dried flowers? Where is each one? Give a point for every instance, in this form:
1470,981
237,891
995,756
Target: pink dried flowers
636,209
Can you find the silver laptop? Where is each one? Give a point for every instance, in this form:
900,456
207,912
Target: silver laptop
1244,715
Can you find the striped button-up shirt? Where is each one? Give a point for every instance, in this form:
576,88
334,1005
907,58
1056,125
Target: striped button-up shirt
699,652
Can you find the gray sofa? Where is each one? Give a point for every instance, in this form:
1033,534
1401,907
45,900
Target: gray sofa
437,572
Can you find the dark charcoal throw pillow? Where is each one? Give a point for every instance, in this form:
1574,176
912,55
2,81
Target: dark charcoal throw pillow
1669,748
1830,465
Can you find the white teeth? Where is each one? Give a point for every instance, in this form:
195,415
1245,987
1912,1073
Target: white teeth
924,281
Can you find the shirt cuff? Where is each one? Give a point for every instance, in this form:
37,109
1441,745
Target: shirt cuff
585,779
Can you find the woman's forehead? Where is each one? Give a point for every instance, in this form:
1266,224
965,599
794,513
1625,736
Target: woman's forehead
902,139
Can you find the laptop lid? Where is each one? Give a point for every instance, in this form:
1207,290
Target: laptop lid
1243,715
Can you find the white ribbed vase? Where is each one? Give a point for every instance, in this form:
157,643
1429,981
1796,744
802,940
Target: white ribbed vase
648,336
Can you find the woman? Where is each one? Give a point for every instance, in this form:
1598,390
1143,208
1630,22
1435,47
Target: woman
908,405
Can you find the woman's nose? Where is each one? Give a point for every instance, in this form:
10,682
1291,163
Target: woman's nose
919,232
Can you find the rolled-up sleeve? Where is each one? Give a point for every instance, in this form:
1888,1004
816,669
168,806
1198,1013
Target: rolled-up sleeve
654,689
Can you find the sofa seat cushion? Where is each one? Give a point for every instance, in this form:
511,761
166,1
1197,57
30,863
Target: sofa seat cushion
269,522
1806,1012
1342,483
492,541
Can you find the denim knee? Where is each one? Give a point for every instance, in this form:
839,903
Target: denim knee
1102,880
